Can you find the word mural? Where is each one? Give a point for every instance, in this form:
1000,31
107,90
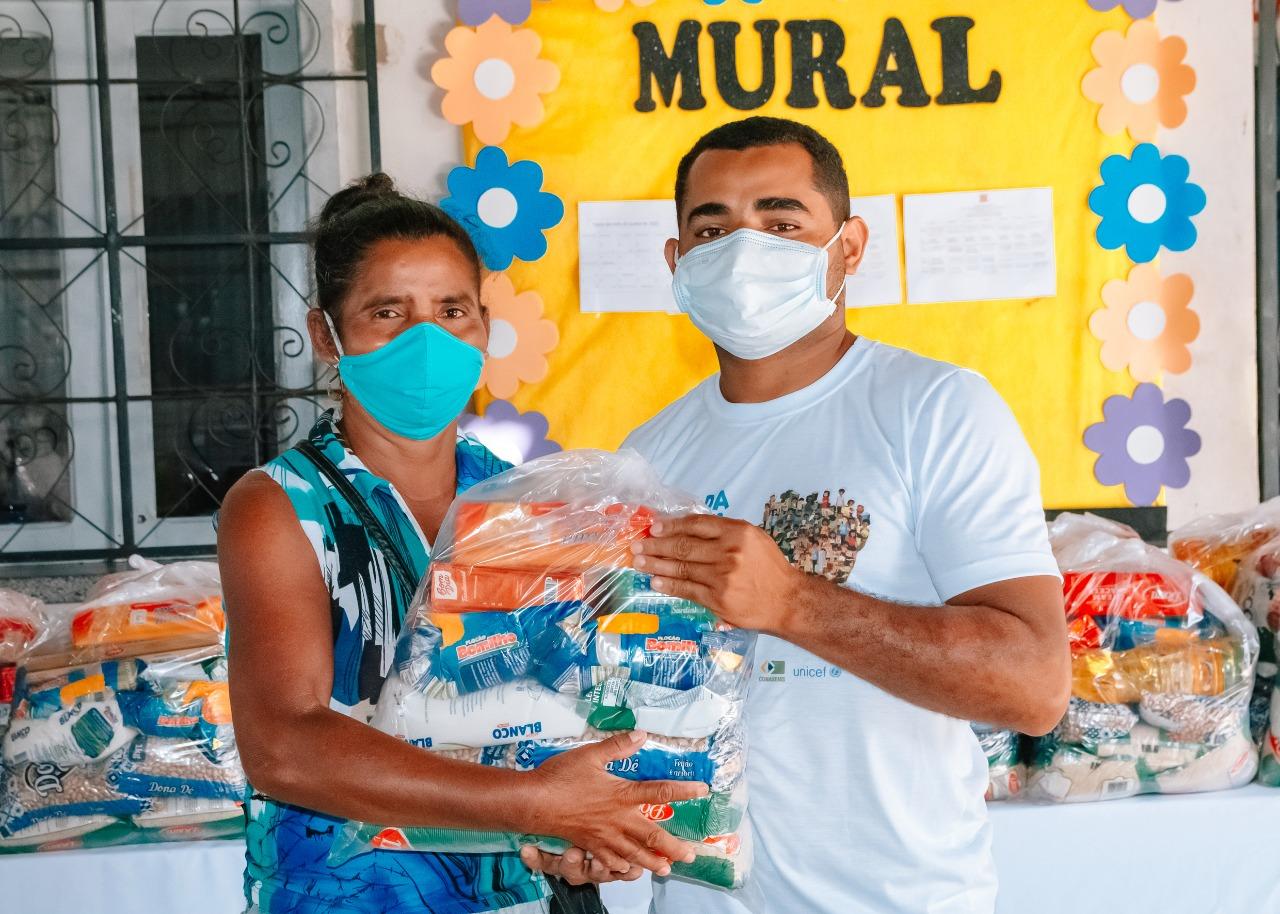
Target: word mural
816,48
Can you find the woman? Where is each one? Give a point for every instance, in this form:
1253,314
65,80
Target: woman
316,597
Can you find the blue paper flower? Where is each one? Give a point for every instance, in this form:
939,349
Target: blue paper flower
503,207
721,2
1146,202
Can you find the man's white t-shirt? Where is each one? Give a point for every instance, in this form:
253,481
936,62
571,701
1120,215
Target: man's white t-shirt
859,801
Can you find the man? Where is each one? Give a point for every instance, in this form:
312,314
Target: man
866,783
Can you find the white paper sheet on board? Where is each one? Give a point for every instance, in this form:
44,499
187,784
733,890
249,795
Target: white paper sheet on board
980,245
879,277
621,267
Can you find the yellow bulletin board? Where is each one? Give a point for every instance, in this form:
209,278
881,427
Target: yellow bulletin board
572,74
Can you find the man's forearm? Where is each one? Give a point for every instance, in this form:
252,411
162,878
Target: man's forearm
974,662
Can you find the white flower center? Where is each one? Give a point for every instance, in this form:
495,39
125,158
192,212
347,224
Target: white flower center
502,338
1147,203
497,207
1145,444
494,78
1140,83
1146,320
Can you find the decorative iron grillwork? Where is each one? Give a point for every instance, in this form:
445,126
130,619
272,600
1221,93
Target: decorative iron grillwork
159,162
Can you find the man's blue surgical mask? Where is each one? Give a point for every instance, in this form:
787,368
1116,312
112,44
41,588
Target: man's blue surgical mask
416,384
754,294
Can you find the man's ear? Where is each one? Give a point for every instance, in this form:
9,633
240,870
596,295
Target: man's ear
853,242
670,250
321,339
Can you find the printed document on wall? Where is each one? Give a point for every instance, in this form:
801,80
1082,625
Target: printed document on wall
879,277
980,245
621,265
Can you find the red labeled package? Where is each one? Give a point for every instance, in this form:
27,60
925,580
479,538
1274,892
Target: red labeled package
125,623
463,588
547,537
1124,595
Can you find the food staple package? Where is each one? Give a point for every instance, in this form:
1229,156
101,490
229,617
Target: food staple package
22,625
1005,765
1162,667
120,725
532,634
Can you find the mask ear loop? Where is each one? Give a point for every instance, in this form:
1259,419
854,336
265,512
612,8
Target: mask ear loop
335,385
844,284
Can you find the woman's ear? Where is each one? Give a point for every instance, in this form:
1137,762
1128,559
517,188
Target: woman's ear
322,341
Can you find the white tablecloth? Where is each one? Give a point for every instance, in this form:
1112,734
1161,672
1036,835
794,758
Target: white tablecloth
1209,854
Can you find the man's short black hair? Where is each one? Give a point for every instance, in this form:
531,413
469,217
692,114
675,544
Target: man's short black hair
753,132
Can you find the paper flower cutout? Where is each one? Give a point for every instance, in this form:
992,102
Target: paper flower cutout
1143,443
1145,201
1147,323
492,79
512,435
717,2
478,12
503,207
1141,81
519,337
612,6
1138,9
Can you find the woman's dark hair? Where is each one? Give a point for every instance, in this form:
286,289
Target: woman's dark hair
362,214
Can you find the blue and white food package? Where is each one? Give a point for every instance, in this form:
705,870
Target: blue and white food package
532,634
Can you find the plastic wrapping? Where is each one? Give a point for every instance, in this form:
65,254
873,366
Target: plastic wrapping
531,635
1005,766
121,719
1241,551
1163,668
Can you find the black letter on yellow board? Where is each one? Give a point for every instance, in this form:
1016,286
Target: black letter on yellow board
724,35
657,66
805,63
905,74
956,89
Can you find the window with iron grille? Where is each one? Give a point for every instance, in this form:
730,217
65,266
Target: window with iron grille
159,163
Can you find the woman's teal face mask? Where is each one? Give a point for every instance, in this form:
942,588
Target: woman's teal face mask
416,384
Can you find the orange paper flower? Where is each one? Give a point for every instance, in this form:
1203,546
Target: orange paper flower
519,337
1141,81
493,78
1147,323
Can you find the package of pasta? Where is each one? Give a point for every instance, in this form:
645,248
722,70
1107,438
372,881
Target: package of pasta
151,609
1162,667
532,634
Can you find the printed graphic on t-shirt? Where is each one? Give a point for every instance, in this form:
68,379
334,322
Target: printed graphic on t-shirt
820,533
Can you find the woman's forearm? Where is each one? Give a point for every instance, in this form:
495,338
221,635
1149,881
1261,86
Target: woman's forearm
328,762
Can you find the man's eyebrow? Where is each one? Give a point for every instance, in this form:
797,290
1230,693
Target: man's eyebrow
766,204
707,209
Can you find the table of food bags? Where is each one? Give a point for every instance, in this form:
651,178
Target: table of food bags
121,786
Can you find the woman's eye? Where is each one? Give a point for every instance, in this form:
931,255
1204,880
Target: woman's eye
384,314
454,313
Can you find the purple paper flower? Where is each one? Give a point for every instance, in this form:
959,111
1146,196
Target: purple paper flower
478,12
1138,9
512,435
1143,443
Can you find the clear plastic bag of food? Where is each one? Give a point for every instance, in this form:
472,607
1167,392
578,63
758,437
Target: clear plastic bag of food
532,634
152,609
1007,773
1163,668
1216,544
21,625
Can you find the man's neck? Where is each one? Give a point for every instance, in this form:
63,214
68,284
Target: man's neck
792,369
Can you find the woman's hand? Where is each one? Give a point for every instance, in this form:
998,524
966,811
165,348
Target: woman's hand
575,867
578,800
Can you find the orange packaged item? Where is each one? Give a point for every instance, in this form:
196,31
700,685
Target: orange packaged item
464,588
1217,543
1177,663
129,623
547,537
1124,594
